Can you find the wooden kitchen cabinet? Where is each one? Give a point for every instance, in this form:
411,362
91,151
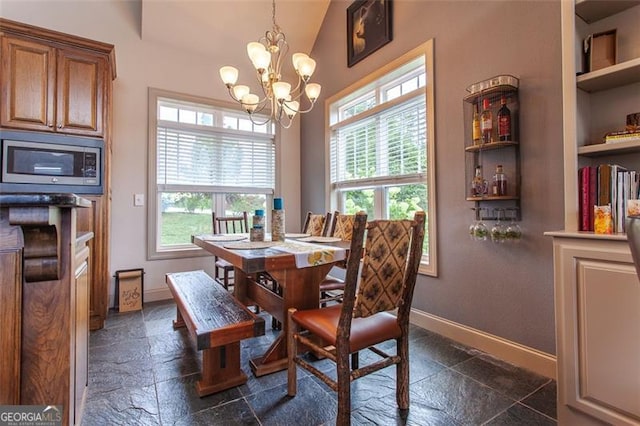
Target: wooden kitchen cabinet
56,82
45,285
50,88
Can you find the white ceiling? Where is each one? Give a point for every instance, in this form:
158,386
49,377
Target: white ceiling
222,28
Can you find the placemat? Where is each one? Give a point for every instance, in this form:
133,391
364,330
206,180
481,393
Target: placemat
249,245
320,239
225,237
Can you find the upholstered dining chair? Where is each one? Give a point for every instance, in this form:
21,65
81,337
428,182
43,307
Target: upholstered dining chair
227,225
317,224
331,287
365,318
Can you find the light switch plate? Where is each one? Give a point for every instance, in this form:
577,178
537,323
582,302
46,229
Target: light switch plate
138,200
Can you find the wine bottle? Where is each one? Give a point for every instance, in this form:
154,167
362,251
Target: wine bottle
476,126
486,122
504,121
499,185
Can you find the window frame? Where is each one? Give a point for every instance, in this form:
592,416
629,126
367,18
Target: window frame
155,190
334,196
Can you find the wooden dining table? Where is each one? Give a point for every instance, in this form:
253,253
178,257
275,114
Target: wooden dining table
299,288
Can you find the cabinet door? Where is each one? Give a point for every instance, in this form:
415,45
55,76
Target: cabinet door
82,337
598,318
94,219
28,85
81,88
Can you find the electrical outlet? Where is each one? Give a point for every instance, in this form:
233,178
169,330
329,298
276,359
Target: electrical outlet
138,200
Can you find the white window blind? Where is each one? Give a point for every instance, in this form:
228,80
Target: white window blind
385,144
214,159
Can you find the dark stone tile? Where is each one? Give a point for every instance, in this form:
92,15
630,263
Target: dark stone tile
384,411
177,398
256,385
130,329
522,416
118,319
311,405
232,413
158,326
159,310
464,399
173,342
441,349
506,378
544,400
172,365
120,365
130,406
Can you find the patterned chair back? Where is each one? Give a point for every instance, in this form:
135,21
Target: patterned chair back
385,266
343,226
316,224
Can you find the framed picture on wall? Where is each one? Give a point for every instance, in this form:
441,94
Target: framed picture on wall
368,28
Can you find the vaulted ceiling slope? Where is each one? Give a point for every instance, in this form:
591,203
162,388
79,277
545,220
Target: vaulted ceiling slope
222,28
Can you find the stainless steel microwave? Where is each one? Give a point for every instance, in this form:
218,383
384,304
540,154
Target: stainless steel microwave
41,162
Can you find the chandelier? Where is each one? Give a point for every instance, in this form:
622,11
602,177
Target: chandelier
279,99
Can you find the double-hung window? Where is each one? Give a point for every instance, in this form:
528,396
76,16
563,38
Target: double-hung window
204,158
381,145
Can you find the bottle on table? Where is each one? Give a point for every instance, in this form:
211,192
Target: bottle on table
486,122
499,185
476,134
504,121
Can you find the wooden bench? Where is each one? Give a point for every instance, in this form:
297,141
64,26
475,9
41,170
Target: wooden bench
217,321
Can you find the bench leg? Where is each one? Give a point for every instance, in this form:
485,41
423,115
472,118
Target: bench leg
220,369
179,321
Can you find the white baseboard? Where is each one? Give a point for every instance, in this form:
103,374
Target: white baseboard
523,356
157,294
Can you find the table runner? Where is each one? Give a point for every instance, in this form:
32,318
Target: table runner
311,254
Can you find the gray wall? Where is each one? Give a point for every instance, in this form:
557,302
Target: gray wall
499,289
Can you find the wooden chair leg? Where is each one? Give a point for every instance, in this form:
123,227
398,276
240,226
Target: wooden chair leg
344,387
402,373
292,350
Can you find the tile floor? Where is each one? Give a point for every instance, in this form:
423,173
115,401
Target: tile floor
142,372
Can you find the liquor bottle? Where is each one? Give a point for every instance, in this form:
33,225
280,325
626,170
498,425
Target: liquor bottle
486,122
499,185
504,121
476,126
478,183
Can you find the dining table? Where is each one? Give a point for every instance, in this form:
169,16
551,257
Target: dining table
297,265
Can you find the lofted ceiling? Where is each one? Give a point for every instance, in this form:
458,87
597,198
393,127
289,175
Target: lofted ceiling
222,28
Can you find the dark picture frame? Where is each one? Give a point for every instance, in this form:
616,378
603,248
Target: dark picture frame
368,28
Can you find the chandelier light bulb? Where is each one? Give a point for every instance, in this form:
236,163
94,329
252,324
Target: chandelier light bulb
306,67
291,108
250,102
296,58
253,48
313,91
240,91
281,90
229,75
262,59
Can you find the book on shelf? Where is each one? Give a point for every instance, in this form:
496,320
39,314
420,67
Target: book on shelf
606,185
623,136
